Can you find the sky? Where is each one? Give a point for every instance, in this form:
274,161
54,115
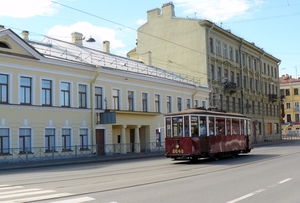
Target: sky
273,25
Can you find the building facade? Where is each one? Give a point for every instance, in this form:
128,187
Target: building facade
289,91
243,77
56,95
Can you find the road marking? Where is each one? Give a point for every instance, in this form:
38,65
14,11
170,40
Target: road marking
44,197
18,191
26,194
76,200
258,191
288,179
8,188
246,196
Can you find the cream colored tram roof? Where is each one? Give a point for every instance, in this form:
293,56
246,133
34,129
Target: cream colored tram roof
202,111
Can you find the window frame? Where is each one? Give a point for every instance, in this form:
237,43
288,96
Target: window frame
4,88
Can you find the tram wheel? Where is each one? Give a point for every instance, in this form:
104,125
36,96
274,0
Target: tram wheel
217,157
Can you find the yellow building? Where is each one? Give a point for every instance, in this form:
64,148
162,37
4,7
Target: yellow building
60,96
289,88
243,77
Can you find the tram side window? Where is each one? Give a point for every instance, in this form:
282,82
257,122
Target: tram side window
228,126
177,126
212,126
202,126
235,126
194,126
168,127
242,127
248,127
220,126
186,126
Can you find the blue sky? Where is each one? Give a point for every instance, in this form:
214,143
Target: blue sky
273,25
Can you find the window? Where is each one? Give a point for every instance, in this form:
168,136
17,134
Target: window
211,44
255,64
288,105
231,76
66,139
265,71
204,104
188,103
288,118
225,52
130,101
297,117
250,61
196,103
267,109
245,81
276,127
116,99
82,96
297,106
49,139
219,74
237,56
145,101
46,92
168,104
256,85
157,103
238,80
253,107
233,104
24,140
243,59
258,107
218,48
179,104
227,103
239,105
98,97
25,90
230,53
4,140
251,84
65,94
3,88
212,72
287,92
83,139
295,91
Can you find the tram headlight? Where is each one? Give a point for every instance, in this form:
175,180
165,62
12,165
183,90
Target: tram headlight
177,144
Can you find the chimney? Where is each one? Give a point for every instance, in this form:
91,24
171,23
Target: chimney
168,10
106,46
77,38
25,34
2,27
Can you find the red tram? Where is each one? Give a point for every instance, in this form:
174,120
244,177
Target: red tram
200,133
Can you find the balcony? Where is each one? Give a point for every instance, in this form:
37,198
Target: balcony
272,97
282,97
230,87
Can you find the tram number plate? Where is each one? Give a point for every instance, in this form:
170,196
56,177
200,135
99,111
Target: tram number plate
177,151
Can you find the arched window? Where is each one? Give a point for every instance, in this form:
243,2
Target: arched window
4,45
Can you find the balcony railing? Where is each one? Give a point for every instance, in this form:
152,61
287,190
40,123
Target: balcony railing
230,87
272,97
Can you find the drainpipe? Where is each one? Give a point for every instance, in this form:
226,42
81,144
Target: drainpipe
92,93
241,74
263,95
279,104
209,62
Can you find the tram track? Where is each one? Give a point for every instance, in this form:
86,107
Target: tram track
167,175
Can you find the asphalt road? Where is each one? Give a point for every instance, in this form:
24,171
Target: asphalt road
267,174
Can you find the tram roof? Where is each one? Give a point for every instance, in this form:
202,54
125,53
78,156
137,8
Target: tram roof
205,111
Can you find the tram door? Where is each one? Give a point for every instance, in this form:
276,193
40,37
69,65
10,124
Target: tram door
132,139
100,141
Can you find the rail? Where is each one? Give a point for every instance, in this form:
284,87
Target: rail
61,155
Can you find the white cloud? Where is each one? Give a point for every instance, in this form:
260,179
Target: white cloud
218,10
27,8
100,34
141,22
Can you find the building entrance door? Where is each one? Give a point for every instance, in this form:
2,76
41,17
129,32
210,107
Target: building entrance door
100,141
